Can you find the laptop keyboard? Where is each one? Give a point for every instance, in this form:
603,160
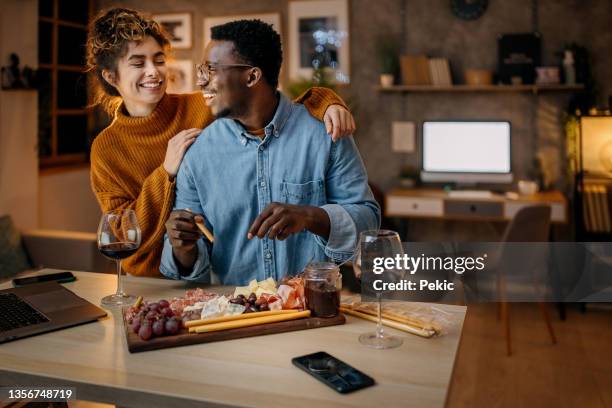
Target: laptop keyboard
15,313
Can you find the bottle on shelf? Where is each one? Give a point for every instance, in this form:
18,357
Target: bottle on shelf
569,70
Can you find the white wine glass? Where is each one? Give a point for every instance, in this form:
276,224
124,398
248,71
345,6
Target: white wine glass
118,237
374,244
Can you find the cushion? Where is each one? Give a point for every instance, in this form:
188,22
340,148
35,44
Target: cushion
13,258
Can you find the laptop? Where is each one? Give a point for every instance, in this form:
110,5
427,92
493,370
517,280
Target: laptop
41,308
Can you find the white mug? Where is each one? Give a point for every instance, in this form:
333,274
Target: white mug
527,187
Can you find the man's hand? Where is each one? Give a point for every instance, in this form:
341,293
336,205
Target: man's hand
279,221
338,122
183,235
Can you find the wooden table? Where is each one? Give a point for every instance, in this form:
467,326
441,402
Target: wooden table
254,371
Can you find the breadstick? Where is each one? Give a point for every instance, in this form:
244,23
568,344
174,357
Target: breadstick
252,322
390,323
192,325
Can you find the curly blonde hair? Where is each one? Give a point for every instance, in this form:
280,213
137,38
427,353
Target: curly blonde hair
107,40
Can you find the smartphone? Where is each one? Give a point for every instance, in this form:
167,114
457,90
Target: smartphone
333,372
61,277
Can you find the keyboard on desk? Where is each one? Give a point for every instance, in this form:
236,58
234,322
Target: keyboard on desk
16,313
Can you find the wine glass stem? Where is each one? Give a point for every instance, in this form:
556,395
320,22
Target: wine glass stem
119,279
379,326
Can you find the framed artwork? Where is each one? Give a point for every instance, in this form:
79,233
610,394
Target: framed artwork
180,76
270,18
319,38
178,27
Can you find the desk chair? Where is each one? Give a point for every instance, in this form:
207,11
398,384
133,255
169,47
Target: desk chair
530,224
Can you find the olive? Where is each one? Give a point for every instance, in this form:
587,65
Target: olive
241,296
263,307
236,301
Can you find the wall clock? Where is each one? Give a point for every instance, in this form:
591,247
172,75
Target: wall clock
469,9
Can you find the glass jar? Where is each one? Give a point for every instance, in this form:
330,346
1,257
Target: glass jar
322,286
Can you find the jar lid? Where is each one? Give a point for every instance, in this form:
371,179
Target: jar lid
320,270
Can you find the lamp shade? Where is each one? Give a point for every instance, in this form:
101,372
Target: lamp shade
597,145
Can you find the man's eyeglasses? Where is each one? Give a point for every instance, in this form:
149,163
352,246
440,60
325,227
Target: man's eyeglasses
205,71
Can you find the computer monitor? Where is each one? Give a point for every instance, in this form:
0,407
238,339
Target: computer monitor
466,152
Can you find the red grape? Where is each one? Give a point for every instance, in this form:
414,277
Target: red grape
135,324
151,315
154,306
166,311
145,332
158,327
172,326
163,303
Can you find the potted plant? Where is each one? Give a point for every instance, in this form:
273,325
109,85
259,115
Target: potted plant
408,176
388,51
320,77
323,78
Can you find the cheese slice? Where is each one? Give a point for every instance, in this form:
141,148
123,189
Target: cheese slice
264,286
253,285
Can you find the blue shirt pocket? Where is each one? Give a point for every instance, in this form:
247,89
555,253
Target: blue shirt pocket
310,193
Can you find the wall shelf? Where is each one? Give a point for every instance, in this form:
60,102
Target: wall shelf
535,89
19,89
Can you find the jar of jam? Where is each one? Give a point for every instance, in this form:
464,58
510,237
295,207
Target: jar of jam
322,285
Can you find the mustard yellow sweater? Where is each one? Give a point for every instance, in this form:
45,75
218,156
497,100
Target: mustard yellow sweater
127,165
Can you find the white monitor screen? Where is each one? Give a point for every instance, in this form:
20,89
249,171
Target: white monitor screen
466,147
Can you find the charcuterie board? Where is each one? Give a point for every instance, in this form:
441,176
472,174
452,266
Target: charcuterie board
184,338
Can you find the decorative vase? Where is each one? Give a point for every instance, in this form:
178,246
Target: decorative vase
386,80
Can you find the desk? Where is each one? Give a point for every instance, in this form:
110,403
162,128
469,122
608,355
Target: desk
255,371
437,204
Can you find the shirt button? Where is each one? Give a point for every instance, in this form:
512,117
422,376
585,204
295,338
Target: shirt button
263,184
268,255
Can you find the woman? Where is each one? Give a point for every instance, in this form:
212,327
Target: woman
135,159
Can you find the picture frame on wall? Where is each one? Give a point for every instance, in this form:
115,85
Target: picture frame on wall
178,27
180,76
319,38
271,18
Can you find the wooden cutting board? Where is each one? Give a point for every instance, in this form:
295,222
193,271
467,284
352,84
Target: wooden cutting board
184,338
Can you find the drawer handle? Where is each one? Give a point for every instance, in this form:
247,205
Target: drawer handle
472,208
415,206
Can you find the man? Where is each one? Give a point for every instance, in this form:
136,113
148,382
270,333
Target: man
275,190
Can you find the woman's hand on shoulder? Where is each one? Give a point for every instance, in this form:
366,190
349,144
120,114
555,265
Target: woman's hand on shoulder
339,122
177,146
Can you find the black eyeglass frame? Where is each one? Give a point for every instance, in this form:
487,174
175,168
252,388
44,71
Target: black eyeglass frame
205,70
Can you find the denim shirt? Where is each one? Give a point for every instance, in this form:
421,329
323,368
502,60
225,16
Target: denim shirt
230,177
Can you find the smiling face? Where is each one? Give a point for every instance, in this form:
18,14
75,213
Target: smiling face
140,77
226,88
